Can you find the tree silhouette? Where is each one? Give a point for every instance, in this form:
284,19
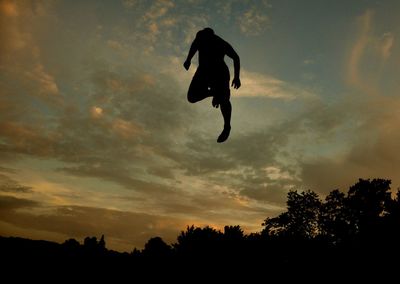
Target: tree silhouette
198,242
335,224
90,243
156,248
355,233
301,219
368,202
233,233
71,244
102,243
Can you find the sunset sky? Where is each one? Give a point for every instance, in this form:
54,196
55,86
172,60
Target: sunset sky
97,137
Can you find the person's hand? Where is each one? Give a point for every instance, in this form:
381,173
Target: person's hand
236,83
186,64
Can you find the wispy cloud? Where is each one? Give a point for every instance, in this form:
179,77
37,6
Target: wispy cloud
368,49
7,184
261,85
46,82
386,45
254,20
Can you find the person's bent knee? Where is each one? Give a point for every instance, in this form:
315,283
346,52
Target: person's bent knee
191,99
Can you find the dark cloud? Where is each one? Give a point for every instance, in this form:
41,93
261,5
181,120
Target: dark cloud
121,177
364,160
7,184
7,170
372,147
10,203
271,193
162,172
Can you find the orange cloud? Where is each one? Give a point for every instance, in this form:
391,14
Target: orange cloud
96,112
126,129
46,81
357,52
8,8
386,45
368,49
26,139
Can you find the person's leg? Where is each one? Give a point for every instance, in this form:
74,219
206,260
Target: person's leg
222,97
198,89
226,110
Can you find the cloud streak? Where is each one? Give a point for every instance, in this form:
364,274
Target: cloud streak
260,85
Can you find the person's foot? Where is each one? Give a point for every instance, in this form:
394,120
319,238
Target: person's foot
224,134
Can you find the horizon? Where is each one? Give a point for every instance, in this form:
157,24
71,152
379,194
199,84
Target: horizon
97,136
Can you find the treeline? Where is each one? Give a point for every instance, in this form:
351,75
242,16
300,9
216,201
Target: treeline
355,233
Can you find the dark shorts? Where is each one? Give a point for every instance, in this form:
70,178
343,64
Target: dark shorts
210,83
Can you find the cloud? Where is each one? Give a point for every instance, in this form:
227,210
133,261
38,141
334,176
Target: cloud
254,20
20,138
102,139
129,3
372,152
368,50
96,112
9,203
21,59
120,175
123,230
370,129
8,8
127,122
126,129
166,24
386,45
46,81
7,170
122,135
7,184
261,85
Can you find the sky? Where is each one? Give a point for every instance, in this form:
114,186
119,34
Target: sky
97,136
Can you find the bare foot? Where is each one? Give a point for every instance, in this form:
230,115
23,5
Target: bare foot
224,134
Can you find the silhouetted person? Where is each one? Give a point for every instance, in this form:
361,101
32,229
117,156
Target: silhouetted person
212,75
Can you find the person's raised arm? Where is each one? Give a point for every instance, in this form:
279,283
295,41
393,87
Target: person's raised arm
192,52
236,65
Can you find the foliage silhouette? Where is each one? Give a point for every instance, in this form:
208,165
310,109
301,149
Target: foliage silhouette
301,219
345,235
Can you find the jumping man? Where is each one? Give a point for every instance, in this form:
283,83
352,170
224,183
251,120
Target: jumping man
212,75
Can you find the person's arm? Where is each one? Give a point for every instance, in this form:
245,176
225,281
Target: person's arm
192,52
236,65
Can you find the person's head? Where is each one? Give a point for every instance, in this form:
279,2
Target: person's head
205,34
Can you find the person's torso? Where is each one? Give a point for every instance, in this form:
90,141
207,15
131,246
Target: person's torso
212,53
